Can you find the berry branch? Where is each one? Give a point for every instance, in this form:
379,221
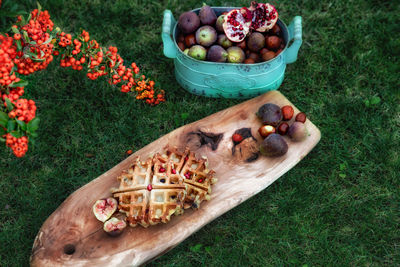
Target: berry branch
31,46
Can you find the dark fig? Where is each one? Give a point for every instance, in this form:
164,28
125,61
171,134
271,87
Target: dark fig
206,36
256,41
219,24
223,41
297,131
274,146
270,114
217,54
114,226
207,15
188,22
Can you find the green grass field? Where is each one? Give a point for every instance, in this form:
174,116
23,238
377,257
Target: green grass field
340,206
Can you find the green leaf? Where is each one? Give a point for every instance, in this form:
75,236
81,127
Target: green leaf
34,135
366,102
16,134
207,249
3,117
22,124
375,100
14,30
26,37
32,141
10,106
11,126
21,83
33,125
2,131
2,139
39,7
342,175
196,248
184,116
19,47
48,40
342,166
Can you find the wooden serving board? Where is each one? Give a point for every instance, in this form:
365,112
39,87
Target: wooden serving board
72,236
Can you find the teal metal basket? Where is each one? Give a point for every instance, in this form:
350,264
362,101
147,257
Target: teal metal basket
230,80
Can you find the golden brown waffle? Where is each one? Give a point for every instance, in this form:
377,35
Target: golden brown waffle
151,192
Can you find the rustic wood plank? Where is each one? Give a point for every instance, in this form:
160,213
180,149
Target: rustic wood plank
73,229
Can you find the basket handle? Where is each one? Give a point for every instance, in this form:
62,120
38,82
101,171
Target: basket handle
295,32
166,34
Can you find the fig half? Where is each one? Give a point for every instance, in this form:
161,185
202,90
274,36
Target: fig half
104,208
270,114
114,226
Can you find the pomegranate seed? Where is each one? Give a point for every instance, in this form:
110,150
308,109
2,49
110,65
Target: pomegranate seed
173,171
162,169
149,187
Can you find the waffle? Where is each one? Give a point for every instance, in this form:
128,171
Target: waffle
150,192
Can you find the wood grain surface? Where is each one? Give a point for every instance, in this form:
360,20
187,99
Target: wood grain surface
72,236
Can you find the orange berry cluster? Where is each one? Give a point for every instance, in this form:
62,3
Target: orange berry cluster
25,110
8,51
19,146
40,48
31,48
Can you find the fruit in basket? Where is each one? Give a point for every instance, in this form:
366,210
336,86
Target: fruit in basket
207,15
276,30
219,24
242,45
236,26
268,55
249,61
274,146
301,117
272,42
188,22
235,54
266,130
254,56
223,41
262,51
181,38
256,41
103,209
181,46
190,40
186,51
264,16
206,36
197,52
114,226
287,112
270,114
217,53
297,131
